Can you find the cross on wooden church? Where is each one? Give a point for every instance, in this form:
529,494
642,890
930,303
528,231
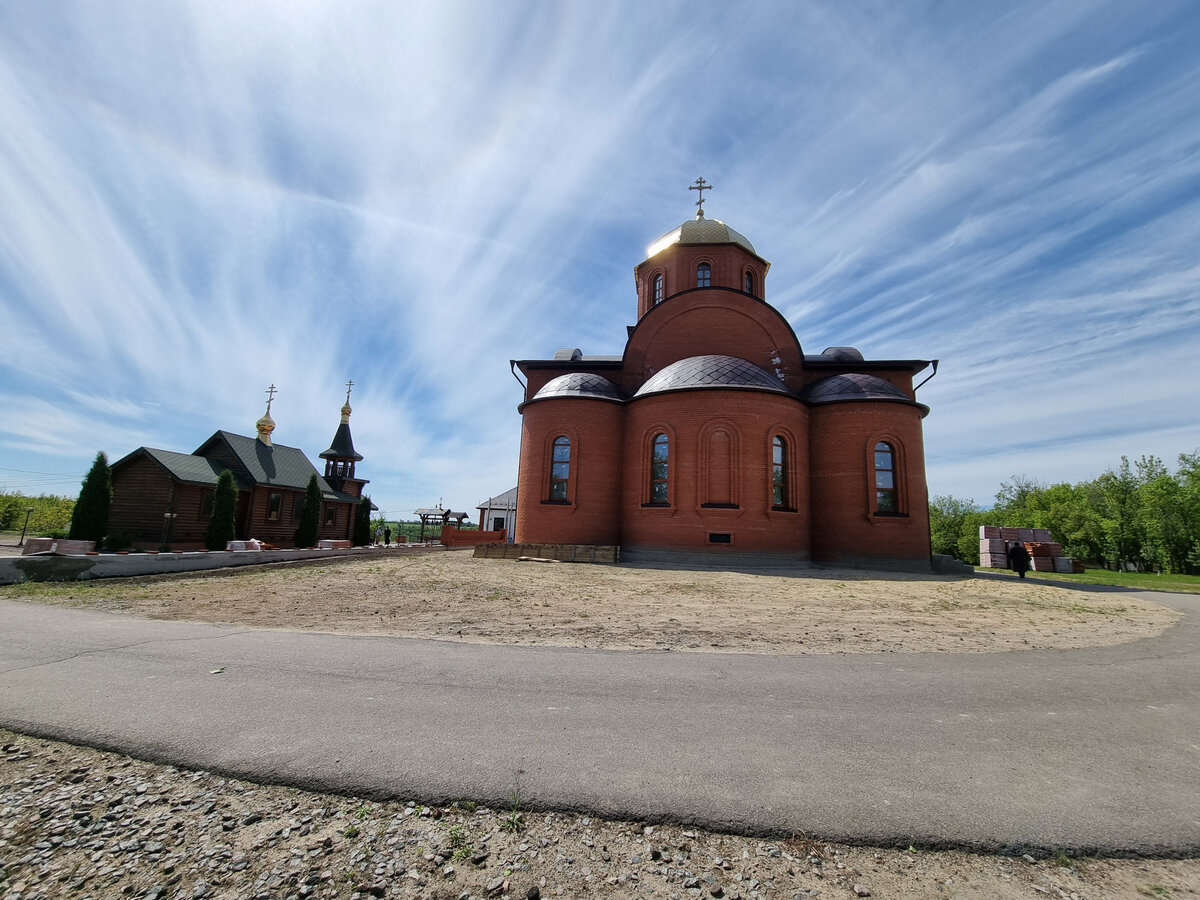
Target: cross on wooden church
349,387
270,392
700,187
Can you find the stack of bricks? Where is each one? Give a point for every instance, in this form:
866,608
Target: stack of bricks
1044,554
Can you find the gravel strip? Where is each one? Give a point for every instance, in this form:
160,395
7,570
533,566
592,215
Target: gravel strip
81,823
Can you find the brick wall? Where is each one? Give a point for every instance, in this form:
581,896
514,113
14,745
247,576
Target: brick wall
709,430
678,263
458,537
845,524
595,428
711,322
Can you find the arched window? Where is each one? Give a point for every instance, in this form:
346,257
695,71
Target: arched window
748,282
659,464
885,479
560,468
779,474
658,288
703,275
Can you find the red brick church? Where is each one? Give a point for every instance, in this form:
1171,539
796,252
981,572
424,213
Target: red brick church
715,433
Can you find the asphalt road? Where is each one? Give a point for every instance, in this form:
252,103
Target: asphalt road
1080,751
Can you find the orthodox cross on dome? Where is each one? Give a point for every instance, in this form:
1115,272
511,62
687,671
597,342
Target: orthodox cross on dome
349,387
700,187
270,392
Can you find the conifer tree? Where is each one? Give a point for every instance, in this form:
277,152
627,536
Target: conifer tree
310,519
362,523
221,524
89,520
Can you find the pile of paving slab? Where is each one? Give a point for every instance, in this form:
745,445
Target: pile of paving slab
1045,555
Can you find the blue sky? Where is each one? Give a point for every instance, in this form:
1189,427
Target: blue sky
201,199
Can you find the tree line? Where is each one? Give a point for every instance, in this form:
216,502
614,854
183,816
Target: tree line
1140,515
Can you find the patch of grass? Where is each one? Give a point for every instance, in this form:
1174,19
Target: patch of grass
1137,581
1153,890
514,820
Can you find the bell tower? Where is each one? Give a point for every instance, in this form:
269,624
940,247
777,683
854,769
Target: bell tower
341,455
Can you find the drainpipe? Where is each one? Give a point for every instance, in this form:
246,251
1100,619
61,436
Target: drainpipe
933,363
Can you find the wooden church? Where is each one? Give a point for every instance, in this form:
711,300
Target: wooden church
165,497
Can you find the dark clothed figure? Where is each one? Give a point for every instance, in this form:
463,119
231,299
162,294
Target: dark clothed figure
387,537
1018,559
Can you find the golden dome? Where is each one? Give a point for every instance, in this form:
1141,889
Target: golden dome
700,231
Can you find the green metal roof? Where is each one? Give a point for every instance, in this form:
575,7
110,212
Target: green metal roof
276,464
185,466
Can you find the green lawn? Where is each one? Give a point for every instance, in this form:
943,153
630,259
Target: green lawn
1138,581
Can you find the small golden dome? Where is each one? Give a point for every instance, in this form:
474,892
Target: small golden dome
265,426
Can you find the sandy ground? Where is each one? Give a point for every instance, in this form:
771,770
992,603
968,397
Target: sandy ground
452,596
75,822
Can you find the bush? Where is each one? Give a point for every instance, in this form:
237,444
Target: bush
49,512
117,542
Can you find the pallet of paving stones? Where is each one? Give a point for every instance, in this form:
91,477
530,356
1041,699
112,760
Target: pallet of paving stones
993,560
1049,549
993,545
593,553
1024,535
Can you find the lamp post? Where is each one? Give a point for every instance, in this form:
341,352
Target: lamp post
167,518
28,513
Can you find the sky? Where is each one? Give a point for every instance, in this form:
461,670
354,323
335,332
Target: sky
199,200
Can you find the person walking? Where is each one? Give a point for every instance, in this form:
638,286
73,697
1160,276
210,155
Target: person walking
378,534
1018,559
387,536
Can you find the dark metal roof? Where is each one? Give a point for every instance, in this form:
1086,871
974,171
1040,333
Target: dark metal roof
842,354
852,386
186,467
580,384
342,446
821,361
711,372
275,464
